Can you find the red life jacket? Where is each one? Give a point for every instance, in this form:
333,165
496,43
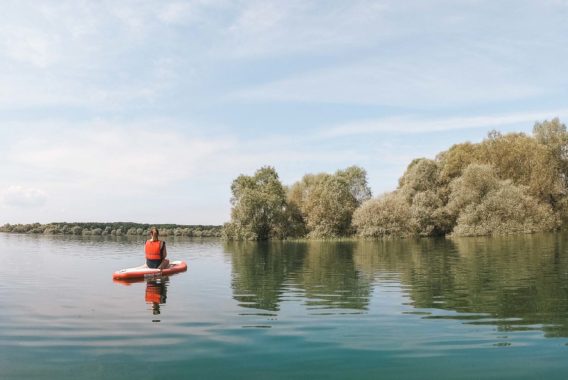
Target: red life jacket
153,250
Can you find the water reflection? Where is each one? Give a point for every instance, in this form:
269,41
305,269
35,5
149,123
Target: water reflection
260,271
322,273
156,291
514,283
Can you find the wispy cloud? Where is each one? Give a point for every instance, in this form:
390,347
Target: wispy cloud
409,124
404,81
276,28
20,196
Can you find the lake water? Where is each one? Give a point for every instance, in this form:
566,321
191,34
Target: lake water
411,309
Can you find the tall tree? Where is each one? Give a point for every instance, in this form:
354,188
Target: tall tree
259,206
356,178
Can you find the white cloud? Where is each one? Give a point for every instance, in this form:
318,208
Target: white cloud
27,45
20,196
409,124
418,81
102,155
276,28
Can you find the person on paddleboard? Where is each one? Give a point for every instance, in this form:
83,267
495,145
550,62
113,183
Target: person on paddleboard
156,251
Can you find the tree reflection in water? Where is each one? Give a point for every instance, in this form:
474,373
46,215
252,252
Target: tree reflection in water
323,272
515,283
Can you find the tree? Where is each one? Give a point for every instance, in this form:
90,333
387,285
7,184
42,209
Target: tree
386,216
426,196
421,175
482,204
475,183
356,178
453,161
429,216
259,204
509,209
326,202
526,162
329,207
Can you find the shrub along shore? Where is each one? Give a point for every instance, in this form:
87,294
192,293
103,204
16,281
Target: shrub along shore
112,229
507,184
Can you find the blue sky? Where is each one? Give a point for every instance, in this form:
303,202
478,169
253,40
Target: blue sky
145,111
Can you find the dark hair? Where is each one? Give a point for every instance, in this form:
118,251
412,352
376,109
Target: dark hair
154,229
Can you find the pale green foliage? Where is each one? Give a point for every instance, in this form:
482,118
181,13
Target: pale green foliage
526,162
483,205
328,207
453,161
421,187
421,175
551,133
506,210
386,216
323,204
475,183
300,191
429,217
259,204
294,221
356,178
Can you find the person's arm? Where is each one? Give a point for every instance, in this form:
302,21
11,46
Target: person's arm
164,250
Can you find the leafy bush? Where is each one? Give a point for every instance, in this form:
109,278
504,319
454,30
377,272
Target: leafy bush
509,209
386,216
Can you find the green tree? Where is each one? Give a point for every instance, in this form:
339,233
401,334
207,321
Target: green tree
328,207
421,175
475,183
481,204
526,162
386,216
259,204
426,195
356,178
326,202
453,161
507,210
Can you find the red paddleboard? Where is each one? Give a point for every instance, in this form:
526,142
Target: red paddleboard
145,272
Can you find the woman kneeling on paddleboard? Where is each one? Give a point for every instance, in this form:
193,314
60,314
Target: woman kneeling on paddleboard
155,250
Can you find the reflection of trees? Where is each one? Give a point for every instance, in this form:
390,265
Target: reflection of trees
522,277
263,271
330,278
515,282
260,270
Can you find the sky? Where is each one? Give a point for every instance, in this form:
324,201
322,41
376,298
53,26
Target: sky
145,111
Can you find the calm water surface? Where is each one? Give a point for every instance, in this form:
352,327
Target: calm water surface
412,309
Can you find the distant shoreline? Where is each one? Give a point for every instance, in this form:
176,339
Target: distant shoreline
113,229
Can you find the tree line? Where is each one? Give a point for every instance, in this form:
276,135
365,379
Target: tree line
113,229
507,184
